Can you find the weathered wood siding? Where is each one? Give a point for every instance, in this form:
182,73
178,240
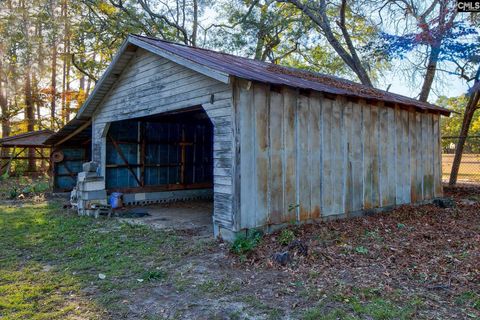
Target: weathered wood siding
152,85
300,157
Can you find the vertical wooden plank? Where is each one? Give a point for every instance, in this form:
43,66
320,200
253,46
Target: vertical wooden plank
412,132
419,157
338,170
413,137
315,145
356,160
348,157
276,131
367,157
247,156
437,153
391,165
424,154
428,182
303,157
374,149
261,111
327,190
399,156
383,154
235,172
405,158
290,178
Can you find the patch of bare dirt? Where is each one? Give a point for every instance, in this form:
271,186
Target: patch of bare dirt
423,257
421,250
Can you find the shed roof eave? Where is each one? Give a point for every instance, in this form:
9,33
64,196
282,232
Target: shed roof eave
85,113
209,72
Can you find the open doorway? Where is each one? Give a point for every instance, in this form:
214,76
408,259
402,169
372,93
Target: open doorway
160,159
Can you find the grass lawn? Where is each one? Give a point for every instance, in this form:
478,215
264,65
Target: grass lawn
50,262
413,263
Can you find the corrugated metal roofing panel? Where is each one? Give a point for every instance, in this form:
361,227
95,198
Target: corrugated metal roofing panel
255,70
28,139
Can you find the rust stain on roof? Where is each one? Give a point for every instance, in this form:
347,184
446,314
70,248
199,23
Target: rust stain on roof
28,139
329,81
260,71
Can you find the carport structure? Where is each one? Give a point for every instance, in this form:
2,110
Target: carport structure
278,145
25,146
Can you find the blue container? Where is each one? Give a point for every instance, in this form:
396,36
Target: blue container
116,200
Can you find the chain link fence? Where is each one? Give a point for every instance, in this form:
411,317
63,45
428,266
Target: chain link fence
470,166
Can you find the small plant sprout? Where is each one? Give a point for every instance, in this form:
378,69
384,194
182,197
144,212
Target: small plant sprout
285,237
361,250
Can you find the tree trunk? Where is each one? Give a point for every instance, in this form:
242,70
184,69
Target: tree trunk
319,16
259,53
41,69
30,118
430,74
195,23
4,107
53,106
68,60
470,109
5,118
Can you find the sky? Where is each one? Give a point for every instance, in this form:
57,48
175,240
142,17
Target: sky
449,85
444,84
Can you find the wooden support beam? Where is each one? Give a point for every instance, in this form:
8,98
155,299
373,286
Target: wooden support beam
120,153
184,155
12,158
143,138
164,187
70,173
26,158
74,133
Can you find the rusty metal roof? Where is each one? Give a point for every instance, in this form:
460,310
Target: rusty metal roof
255,70
222,66
35,139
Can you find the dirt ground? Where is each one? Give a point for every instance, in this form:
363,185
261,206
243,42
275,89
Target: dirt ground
414,262
469,170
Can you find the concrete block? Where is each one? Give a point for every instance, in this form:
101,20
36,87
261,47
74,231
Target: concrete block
95,185
140,196
82,176
90,167
94,195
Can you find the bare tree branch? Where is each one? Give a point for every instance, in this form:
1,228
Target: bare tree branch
76,65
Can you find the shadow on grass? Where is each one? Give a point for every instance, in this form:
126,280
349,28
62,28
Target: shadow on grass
50,262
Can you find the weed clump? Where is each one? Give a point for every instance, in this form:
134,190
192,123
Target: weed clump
244,244
286,237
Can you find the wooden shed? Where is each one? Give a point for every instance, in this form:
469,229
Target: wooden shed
271,145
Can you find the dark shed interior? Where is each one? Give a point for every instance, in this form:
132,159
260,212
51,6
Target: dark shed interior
171,151
71,148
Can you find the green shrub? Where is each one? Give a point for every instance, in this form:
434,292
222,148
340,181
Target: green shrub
244,244
27,189
13,193
41,187
285,237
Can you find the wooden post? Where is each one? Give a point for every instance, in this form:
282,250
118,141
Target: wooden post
143,138
183,144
